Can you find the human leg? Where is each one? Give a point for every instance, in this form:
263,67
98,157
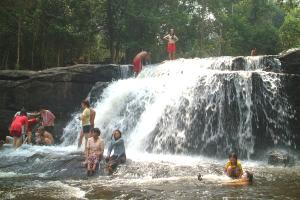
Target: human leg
80,139
18,142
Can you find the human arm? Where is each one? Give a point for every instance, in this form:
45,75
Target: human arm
175,38
166,37
226,167
110,147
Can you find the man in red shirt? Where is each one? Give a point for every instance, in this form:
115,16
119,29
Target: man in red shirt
19,127
137,61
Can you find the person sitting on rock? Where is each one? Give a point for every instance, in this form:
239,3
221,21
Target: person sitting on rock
233,167
94,151
42,137
117,145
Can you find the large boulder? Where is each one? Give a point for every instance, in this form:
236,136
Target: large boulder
278,158
59,89
290,61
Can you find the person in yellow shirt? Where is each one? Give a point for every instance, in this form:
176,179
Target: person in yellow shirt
85,122
233,167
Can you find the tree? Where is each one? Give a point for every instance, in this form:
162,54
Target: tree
290,30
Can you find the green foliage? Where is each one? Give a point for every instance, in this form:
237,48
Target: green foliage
290,30
36,34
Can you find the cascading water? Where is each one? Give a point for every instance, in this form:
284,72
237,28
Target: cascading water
195,106
190,107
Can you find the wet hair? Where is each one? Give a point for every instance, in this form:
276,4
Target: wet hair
23,112
41,129
117,130
96,130
249,176
86,103
233,155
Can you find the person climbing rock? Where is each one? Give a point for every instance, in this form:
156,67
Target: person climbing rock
18,128
119,156
172,39
138,59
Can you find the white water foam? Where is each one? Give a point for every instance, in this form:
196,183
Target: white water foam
138,106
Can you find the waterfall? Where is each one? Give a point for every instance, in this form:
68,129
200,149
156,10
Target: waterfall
196,106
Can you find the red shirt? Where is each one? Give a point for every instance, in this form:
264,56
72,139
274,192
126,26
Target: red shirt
17,124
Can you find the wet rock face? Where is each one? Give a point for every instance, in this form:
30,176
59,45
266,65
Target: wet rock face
59,89
280,159
290,61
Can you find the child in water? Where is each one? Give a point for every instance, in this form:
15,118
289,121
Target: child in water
233,167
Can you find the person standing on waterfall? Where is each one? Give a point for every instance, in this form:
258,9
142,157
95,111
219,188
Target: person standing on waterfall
137,61
85,122
172,39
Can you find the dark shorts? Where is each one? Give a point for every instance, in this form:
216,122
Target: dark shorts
86,129
49,129
114,161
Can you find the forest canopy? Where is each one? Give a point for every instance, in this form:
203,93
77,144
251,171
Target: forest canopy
38,34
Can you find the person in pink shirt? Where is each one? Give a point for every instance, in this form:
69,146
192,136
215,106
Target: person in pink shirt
94,151
47,120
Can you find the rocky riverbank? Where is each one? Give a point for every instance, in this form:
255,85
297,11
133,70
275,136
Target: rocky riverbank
59,89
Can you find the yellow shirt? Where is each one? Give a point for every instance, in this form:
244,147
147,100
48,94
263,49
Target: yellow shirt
85,117
238,165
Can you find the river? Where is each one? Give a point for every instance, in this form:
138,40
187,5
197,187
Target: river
179,118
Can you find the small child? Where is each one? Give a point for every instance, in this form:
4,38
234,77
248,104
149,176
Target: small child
233,167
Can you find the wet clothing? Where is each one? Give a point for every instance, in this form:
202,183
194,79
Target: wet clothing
118,146
171,47
49,129
85,117
114,160
86,129
137,65
237,169
95,148
31,123
47,118
19,126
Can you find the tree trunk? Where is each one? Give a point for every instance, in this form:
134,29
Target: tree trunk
18,45
58,58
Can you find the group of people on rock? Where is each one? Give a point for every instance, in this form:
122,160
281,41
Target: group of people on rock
94,144
24,124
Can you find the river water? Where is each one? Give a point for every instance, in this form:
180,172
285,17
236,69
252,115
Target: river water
179,118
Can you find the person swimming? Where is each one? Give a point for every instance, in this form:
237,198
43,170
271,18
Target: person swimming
233,167
245,179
